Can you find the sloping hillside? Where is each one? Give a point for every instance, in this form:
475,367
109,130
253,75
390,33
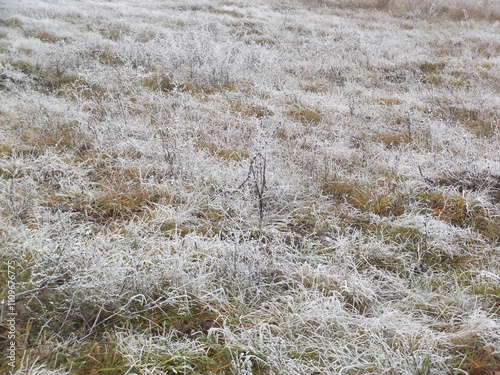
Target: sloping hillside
250,187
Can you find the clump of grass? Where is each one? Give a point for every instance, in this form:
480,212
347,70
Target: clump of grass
366,198
62,84
58,134
164,84
107,57
456,209
251,110
389,101
335,75
213,149
484,126
232,13
488,50
465,181
470,354
48,37
393,139
482,123
115,33
145,36
57,82
24,66
118,204
6,150
428,67
89,358
120,198
159,82
11,22
306,225
210,226
194,322
315,87
306,116
431,72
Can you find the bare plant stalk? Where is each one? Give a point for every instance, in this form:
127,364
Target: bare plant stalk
168,142
257,174
352,105
409,121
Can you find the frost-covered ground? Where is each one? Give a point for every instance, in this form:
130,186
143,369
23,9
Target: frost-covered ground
251,187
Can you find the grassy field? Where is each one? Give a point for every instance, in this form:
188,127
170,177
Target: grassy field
299,187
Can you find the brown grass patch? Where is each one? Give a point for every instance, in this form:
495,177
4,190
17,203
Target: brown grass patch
120,195
145,36
58,82
115,33
112,204
306,116
467,182
159,82
11,22
59,134
389,101
251,110
98,354
428,67
166,85
483,124
315,87
406,26
213,149
231,13
470,354
48,37
366,198
393,139
6,150
487,50
455,209
484,127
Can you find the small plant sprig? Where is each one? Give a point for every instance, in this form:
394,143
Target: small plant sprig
168,142
257,175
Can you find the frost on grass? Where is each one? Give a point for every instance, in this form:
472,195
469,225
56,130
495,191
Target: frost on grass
266,188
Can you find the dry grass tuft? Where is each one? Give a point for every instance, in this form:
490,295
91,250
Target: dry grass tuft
456,209
221,152
112,205
306,116
257,111
366,198
394,140
59,134
165,85
389,101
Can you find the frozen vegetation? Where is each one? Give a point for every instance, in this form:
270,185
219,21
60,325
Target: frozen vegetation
251,187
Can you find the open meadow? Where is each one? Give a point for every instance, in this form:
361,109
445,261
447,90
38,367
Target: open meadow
293,187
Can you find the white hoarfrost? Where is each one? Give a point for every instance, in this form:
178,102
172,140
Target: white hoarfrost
251,187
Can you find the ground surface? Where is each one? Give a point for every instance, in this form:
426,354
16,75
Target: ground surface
251,187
